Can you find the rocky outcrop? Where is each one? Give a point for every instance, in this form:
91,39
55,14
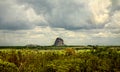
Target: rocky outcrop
59,42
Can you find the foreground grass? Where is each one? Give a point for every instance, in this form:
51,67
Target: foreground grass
65,60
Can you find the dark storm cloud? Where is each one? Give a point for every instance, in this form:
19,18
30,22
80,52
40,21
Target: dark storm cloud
11,19
19,25
115,5
70,15
40,6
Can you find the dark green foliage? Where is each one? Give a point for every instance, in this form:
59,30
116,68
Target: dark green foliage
8,67
69,51
98,59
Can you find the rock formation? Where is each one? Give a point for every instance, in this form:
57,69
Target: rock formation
59,42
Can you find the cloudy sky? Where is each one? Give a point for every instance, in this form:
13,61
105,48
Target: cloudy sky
78,22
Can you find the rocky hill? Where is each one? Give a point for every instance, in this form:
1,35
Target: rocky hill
59,42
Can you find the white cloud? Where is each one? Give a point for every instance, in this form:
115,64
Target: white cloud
100,10
114,21
104,34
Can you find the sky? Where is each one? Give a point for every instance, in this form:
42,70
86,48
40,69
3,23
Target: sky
77,22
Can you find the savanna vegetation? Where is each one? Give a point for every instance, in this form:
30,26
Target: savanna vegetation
66,59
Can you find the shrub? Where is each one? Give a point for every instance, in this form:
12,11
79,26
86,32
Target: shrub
65,65
69,51
99,59
8,67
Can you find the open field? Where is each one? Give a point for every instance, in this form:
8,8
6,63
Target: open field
63,59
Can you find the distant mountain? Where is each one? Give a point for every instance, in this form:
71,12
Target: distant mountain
32,45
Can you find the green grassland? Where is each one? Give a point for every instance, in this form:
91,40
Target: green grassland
60,59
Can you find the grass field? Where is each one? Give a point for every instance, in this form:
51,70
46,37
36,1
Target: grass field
66,59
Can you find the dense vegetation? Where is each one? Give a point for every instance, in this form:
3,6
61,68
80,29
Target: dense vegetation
96,59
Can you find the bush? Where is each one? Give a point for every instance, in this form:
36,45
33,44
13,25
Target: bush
8,67
96,60
69,51
65,65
